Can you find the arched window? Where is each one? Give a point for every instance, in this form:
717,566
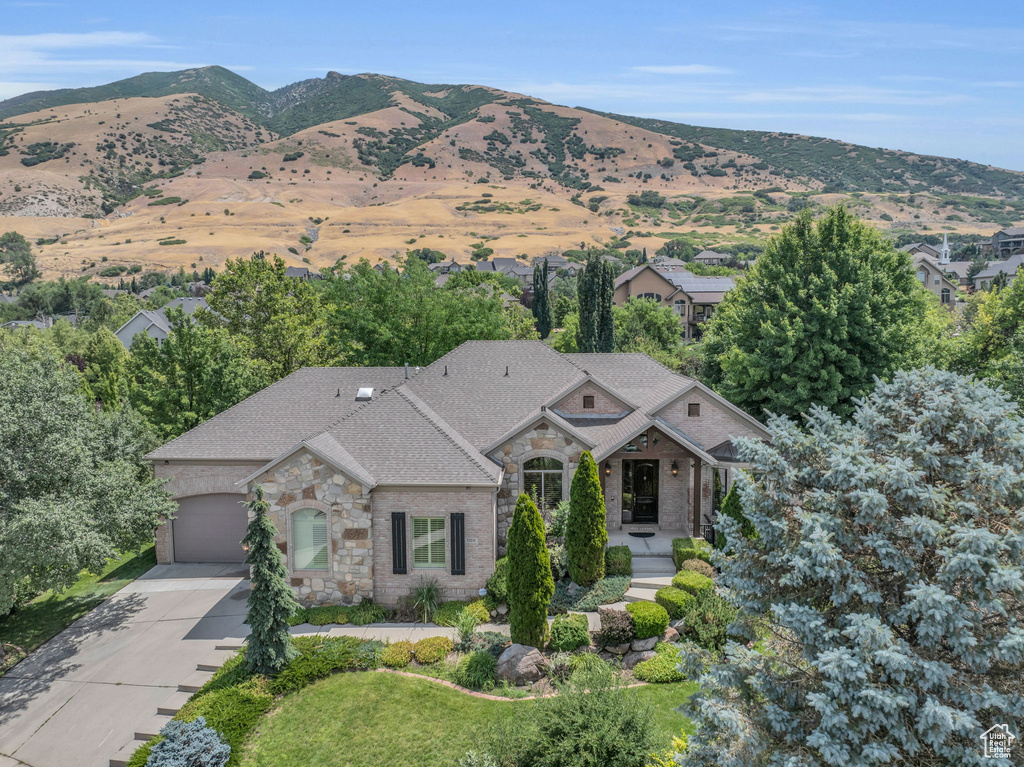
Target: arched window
309,539
945,295
542,479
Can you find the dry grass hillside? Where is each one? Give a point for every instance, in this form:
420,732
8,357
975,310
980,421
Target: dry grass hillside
182,180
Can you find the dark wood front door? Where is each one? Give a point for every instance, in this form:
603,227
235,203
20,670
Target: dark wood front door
640,481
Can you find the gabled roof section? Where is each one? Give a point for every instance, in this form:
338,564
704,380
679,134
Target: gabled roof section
726,405
326,448
562,395
631,274
641,425
554,418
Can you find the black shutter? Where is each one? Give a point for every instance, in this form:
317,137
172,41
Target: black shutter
398,555
458,522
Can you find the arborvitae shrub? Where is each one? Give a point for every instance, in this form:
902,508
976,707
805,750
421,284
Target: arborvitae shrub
649,619
586,534
569,632
530,584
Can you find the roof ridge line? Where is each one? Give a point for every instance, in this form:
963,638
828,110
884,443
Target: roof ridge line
409,396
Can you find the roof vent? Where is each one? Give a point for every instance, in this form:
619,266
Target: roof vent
365,394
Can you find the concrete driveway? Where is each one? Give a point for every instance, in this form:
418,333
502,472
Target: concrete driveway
78,699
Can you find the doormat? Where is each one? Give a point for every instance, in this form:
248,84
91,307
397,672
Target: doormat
642,535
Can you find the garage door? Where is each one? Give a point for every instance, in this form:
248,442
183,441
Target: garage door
209,528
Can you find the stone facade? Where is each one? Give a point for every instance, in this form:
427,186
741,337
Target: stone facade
476,503
543,440
305,482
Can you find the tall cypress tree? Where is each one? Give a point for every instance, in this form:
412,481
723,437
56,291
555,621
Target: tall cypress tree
589,298
271,602
542,299
605,318
586,532
530,584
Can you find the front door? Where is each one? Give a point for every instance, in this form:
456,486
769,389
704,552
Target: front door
640,485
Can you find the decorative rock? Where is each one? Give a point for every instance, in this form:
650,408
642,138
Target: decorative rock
607,657
642,645
521,663
633,658
677,624
618,649
502,609
670,635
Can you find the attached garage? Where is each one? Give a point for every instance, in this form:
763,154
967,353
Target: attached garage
210,528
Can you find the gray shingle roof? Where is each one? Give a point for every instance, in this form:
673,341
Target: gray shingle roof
1008,267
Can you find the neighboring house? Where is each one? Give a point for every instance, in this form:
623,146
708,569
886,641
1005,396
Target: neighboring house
379,478
955,271
500,265
934,279
155,323
692,298
1009,267
1005,243
301,273
555,261
42,324
444,267
710,258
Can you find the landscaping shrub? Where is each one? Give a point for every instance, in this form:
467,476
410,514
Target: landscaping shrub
530,585
649,619
616,628
367,612
397,655
319,657
675,601
479,610
557,517
586,662
232,711
604,592
326,615
688,580
690,548
492,641
569,632
560,666
618,560
586,534
477,670
731,507
497,584
432,649
707,619
662,668
698,566
465,627
299,616
189,744
448,613
559,561
425,598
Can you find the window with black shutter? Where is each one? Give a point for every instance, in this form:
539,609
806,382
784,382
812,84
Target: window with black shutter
458,524
398,545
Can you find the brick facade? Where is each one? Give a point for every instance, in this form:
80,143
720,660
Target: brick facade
478,504
603,402
714,425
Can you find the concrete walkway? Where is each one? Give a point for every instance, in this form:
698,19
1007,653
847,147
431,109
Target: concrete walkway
80,697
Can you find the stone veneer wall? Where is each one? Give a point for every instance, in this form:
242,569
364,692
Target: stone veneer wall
541,441
477,503
306,482
187,479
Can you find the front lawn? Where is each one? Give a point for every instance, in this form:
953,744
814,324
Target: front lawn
48,614
367,719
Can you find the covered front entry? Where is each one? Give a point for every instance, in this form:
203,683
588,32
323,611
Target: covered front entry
640,491
210,528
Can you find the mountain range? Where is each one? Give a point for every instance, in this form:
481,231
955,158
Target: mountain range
132,155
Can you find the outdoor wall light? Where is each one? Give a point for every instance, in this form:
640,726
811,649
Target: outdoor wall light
675,469
607,469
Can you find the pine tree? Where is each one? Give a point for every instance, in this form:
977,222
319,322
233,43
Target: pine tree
586,532
732,508
541,299
271,601
530,584
605,318
887,582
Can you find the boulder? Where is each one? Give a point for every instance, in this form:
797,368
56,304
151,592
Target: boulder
618,649
633,658
502,609
670,635
677,624
642,645
520,664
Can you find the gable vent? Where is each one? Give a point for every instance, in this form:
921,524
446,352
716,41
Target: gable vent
365,394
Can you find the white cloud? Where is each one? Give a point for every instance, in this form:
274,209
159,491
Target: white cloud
683,69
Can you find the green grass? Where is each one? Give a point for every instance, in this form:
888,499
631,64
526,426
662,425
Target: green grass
49,613
367,719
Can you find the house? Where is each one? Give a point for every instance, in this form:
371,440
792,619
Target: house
954,271
155,323
1006,243
444,267
710,258
555,261
301,273
378,478
934,279
692,298
983,279
500,265
42,324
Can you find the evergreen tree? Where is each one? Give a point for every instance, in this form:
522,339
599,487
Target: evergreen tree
530,584
271,601
889,575
824,310
732,508
586,532
588,297
716,491
605,317
542,299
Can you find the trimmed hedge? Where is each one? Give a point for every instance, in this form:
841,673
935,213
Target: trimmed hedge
675,601
699,566
688,580
397,655
432,649
649,619
662,668
569,632
690,548
618,560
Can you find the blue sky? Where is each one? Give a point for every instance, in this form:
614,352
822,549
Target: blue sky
936,77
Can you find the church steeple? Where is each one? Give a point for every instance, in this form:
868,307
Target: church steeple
944,255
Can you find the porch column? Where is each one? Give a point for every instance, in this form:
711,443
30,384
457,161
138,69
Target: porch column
698,481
